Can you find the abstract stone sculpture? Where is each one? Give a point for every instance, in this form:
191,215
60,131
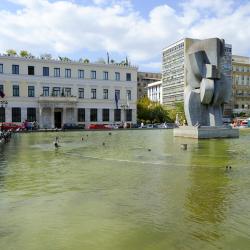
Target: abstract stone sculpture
207,88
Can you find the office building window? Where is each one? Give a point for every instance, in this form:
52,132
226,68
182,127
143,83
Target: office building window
31,114
93,93
105,75
56,91
105,115
129,95
81,92
129,115
81,115
31,70
15,90
15,69
67,73
1,68
45,71
80,73
117,115
67,91
93,74
31,91
93,115
56,72
128,77
117,76
45,91
117,94
16,114
105,94
2,114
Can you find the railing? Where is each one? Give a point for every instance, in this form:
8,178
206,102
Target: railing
57,98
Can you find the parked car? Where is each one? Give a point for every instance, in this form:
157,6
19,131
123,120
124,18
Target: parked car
11,126
73,126
99,126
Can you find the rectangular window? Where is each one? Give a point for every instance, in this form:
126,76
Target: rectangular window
105,75
45,91
2,114
15,69
31,70
117,76
1,90
81,92
80,73
93,93
15,90
56,72
67,73
81,115
129,115
93,115
105,94
128,77
93,74
117,115
129,95
31,91
16,114
1,68
117,94
67,91
31,114
56,91
45,71
105,115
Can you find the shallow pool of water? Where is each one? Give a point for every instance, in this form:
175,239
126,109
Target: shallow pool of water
129,190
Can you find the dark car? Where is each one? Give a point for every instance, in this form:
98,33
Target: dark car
73,126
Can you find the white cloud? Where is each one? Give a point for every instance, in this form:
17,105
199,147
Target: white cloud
65,27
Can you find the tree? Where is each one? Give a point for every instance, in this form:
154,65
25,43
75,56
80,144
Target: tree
24,53
86,60
149,111
177,109
11,52
64,59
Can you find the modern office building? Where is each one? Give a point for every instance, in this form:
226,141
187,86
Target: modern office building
173,70
155,91
55,92
143,79
241,84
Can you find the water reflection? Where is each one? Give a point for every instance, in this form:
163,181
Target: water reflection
208,196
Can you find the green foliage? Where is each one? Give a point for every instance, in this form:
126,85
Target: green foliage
151,112
24,53
86,60
177,109
64,59
11,52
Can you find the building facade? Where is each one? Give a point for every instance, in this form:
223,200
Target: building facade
241,84
173,70
54,92
155,91
143,79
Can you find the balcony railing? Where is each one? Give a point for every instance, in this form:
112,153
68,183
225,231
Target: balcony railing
56,99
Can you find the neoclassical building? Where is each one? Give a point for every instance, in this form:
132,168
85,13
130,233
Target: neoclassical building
55,92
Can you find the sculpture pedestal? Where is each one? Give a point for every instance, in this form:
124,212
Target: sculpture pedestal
206,132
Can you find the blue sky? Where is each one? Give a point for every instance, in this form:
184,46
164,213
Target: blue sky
134,28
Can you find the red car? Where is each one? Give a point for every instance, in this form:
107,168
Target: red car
98,126
11,126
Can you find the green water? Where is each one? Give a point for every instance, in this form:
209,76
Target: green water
86,195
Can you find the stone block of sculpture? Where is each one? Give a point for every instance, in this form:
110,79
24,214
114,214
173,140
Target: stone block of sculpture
206,87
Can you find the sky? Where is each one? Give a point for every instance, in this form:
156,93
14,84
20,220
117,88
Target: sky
137,29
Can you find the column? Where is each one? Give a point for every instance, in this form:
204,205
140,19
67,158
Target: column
123,115
40,118
52,117
75,116
111,115
99,115
64,115
8,114
23,114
